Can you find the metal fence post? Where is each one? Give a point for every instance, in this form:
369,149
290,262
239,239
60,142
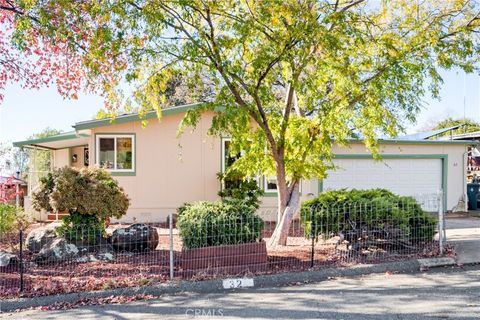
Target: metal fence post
312,235
441,225
170,227
21,259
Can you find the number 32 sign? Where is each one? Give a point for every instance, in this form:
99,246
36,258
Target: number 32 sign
237,283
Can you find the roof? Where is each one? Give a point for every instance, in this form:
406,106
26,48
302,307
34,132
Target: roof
467,136
78,137
428,134
11,180
124,118
408,141
58,141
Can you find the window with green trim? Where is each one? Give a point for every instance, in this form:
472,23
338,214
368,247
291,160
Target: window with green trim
116,153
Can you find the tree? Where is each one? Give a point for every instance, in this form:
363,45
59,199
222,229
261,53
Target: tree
41,160
291,77
12,159
468,125
33,60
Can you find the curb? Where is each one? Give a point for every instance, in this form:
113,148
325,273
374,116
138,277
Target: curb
215,286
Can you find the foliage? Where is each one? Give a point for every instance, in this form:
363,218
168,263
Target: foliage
468,126
240,189
206,224
41,197
290,76
12,159
34,61
40,160
7,218
81,228
90,191
341,211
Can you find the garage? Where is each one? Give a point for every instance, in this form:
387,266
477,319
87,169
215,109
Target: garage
402,176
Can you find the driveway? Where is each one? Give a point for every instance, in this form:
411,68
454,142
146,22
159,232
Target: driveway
463,231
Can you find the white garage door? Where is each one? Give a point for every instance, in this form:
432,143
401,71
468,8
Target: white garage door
408,177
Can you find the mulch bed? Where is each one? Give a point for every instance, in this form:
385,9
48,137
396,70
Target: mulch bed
139,269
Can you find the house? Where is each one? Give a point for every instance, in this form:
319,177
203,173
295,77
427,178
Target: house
160,172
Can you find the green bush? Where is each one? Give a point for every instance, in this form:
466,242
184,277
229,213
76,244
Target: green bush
238,188
7,218
205,224
343,211
83,229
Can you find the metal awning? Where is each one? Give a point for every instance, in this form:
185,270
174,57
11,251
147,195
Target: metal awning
58,141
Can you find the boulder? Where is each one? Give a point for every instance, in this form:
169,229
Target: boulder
7,259
39,237
56,251
137,237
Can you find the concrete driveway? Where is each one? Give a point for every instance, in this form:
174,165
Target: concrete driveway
463,231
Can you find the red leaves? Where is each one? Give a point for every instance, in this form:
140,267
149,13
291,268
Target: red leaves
121,299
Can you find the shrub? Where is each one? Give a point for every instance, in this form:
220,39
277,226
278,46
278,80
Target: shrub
205,224
7,218
41,198
240,189
82,229
90,196
343,211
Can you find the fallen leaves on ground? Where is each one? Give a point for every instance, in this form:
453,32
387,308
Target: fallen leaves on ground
119,299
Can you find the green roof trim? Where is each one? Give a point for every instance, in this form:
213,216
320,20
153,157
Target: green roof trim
58,137
404,141
133,117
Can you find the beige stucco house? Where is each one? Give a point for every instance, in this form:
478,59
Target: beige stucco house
160,171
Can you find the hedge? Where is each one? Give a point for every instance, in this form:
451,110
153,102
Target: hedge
205,224
343,211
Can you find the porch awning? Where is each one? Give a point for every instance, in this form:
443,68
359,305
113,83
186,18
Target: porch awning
58,141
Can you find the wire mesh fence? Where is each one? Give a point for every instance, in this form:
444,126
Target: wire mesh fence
47,259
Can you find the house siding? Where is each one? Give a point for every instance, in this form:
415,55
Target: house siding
171,170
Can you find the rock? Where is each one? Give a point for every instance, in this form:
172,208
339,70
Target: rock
39,237
56,251
6,259
106,256
137,237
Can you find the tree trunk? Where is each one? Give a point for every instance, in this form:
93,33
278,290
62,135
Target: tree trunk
286,213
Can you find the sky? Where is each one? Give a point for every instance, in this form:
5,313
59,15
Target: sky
25,112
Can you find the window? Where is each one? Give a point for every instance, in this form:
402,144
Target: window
227,160
116,152
270,184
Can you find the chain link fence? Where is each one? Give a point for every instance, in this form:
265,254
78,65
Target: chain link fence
40,262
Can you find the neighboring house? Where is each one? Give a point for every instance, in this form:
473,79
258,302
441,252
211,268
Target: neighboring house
160,172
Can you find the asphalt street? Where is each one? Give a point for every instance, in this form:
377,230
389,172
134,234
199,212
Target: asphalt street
452,293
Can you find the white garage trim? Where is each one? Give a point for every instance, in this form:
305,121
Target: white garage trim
442,157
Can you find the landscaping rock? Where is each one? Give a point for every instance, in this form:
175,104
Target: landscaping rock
137,237
39,237
56,251
6,259
106,256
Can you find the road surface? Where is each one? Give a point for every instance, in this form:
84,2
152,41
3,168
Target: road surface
441,294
